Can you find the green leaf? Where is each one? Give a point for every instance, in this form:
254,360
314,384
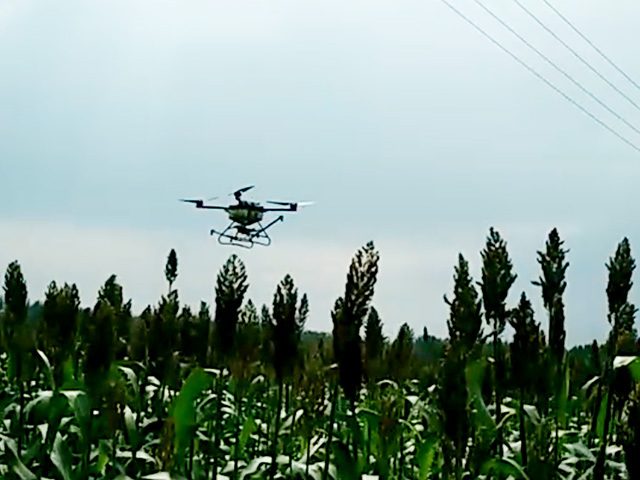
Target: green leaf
579,449
47,368
132,378
163,476
184,409
532,413
425,456
15,463
81,410
601,416
475,374
103,456
504,466
248,428
632,362
563,396
345,464
61,457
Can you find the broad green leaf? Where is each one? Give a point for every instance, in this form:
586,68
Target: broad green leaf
184,409
23,472
58,405
601,416
633,363
103,456
344,462
140,454
532,413
579,449
61,457
474,374
585,388
248,428
132,378
47,368
130,425
39,406
425,456
15,463
504,466
81,410
164,476
254,466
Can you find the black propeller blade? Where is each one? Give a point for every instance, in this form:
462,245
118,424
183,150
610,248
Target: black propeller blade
239,192
299,204
198,203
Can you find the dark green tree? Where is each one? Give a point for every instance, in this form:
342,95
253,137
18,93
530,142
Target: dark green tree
621,268
621,316
189,338
248,343
465,310
400,358
465,326
349,312
231,286
453,399
19,338
105,388
99,348
171,269
553,284
373,345
138,341
60,326
287,322
112,294
204,329
497,279
164,346
527,349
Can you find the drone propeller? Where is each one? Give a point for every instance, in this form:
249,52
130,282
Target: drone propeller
198,203
239,192
291,204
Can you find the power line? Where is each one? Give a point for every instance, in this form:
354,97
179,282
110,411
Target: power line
576,54
550,62
556,89
575,29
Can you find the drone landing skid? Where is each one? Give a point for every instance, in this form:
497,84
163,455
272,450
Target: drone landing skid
245,237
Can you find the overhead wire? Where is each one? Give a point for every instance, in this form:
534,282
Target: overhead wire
539,76
576,54
554,65
584,37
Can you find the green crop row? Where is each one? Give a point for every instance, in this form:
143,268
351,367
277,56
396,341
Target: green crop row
240,394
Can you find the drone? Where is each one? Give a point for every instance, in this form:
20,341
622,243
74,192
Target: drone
246,229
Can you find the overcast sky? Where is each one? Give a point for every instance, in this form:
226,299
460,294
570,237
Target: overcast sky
405,125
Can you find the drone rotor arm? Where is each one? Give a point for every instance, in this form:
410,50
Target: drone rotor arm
213,207
200,204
